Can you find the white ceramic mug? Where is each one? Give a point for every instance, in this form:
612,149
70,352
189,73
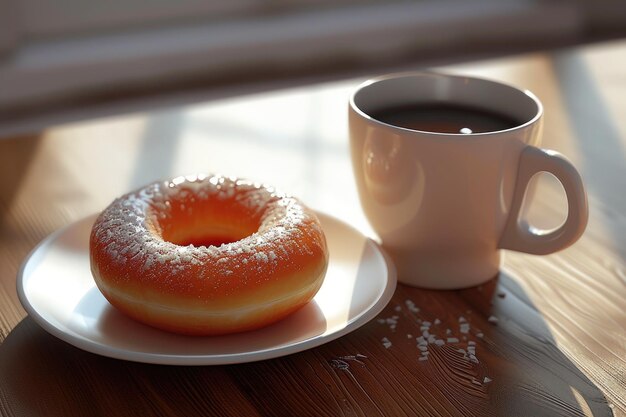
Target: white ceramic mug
445,204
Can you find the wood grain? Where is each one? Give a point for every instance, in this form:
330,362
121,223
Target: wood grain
558,347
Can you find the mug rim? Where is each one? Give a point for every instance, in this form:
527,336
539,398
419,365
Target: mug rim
465,136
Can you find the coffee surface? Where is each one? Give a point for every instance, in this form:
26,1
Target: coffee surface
445,118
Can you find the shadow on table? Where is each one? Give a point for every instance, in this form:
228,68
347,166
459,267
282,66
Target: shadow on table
528,374
554,384
42,375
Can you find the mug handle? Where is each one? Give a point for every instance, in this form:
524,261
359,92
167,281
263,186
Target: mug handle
518,234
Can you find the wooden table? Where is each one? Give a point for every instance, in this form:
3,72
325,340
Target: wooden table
558,348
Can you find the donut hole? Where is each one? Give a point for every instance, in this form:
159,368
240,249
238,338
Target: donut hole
204,236
206,224
205,231
211,240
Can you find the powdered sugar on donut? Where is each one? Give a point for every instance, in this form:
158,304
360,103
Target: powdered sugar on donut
131,229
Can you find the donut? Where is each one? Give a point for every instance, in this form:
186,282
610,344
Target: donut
207,255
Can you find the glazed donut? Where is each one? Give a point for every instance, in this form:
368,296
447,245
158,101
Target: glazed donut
207,255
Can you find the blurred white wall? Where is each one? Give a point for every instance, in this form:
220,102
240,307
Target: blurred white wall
69,59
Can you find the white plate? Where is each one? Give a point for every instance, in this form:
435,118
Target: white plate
55,286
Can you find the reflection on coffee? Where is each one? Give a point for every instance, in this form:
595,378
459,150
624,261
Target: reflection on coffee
445,118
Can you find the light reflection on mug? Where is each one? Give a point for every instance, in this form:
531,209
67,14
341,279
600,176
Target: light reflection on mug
394,182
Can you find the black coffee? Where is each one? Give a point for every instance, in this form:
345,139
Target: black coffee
445,118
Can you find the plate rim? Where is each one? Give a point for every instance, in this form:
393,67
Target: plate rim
77,340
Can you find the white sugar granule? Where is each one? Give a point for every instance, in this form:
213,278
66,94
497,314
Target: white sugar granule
411,306
492,319
261,256
453,340
440,342
487,380
148,263
391,321
423,358
386,343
